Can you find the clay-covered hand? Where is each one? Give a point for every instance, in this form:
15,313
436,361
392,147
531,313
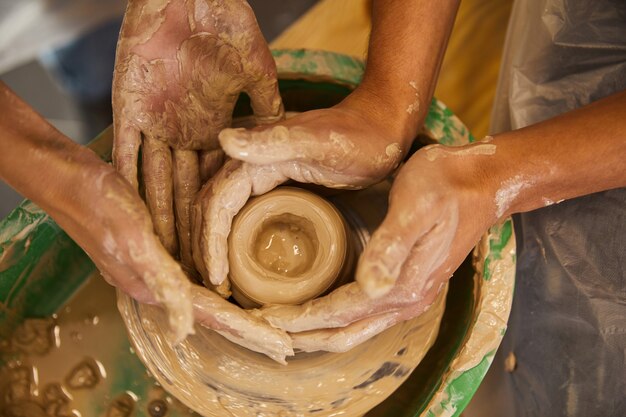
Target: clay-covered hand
347,146
180,67
119,238
437,213
107,218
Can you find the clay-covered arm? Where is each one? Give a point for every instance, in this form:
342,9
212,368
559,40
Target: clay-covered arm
577,153
94,205
444,199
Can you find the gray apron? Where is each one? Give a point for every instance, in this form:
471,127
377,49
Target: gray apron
567,330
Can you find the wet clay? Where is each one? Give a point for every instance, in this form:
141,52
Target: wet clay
285,247
78,363
434,152
286,244
216,377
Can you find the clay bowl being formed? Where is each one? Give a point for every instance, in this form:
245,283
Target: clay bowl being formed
212,375
216,377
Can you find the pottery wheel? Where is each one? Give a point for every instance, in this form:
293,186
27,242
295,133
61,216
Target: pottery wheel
216,377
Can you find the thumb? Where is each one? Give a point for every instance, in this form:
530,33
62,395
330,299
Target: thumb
270,145
384,256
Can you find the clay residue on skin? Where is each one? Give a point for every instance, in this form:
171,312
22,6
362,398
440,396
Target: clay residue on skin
170,98
151,16
167,290
548,202
180,67
315,160
388,255
415,106
336,156
176,87
509,191
393,151
390,159
381,269
239,327
434,152
331,340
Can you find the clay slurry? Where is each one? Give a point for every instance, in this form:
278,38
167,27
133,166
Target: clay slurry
286,244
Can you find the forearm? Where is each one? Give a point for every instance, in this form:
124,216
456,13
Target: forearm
36,159
578,153
406,48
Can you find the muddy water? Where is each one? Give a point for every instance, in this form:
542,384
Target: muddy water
79,363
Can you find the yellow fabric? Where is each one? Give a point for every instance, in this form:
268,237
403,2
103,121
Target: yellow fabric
341,26
469,74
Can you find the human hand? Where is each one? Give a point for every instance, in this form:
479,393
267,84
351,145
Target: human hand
180,67
440,204
120,239
347,146
107,218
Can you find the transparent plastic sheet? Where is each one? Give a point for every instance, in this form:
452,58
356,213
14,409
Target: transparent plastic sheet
28,27
567,330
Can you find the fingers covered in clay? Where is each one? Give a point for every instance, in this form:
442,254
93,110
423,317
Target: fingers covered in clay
186,174
265,99
157,175
210,163
215,207
340,308
345,338
122,242
126,150
381,262
212,311
414,263
433,222
416,237
267,146
347,316
402,235
338,147
171,288
179,70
